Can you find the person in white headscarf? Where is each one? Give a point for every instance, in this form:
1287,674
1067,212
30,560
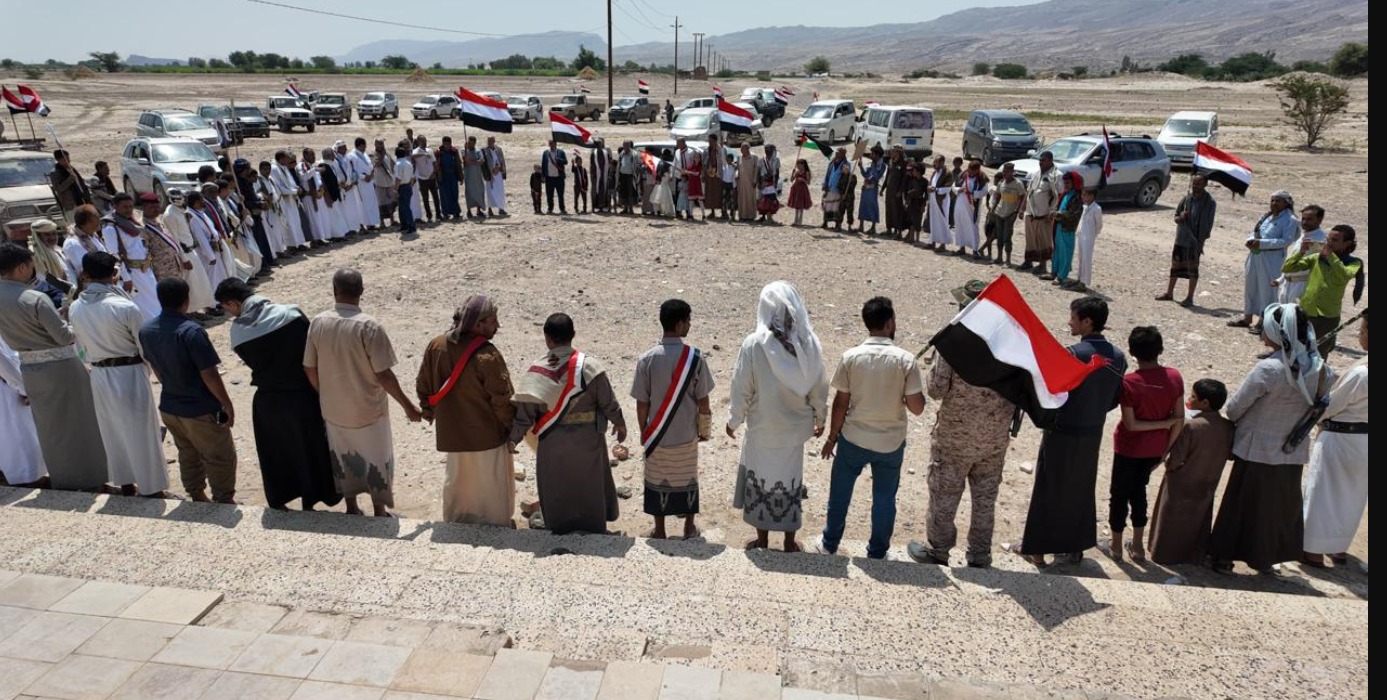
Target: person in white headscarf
1266,252
780,391
178,221
1260,520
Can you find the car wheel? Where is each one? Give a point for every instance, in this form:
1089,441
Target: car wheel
631,119
1148,193
159,192
987,156
964,149
851,130
832,136
283,125
349,117
312,128
129,187
433,114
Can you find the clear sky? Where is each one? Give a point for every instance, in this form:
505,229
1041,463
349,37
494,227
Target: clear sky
67,30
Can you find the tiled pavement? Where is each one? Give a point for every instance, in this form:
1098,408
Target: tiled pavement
699,617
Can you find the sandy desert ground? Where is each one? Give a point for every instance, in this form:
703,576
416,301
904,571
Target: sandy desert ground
610,273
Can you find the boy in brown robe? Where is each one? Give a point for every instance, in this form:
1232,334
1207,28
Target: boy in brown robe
1184,512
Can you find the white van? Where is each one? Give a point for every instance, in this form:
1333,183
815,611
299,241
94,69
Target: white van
911,128
828,120
1183,130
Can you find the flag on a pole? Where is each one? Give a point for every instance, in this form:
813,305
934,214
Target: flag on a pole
651,162
781,96
998,342
734,118
1222,167
484,113
293,91
584,89
805,142
32,101
565,130
1106,172
12,101
643,86
717,91
786,89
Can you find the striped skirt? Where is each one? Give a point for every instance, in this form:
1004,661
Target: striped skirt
671,480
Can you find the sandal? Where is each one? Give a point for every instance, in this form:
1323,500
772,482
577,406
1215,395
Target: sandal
1135,552
1036,560
1187,303
1240,323
1165,297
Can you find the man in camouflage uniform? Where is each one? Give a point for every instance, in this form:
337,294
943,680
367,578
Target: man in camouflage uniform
967,447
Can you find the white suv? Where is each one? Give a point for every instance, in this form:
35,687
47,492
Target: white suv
829,120
1141,168
158,165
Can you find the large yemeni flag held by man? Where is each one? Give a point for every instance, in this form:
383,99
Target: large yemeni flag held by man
1222,167
484,113
998,342
565,131
733,118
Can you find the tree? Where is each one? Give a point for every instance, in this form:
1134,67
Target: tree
8,64
370,64
1311,104
631,65
272,61
546,63
245,60
981,68
515,61
1310,67
587,58
725,73
1350,61
217,63
438,65
1079,71
196,62
1191,64
322,62
1251,66
53,63
817,64
298,64
33,73
395,62
109,60
1009,71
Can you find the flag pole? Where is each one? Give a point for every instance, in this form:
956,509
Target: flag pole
32,134
14,125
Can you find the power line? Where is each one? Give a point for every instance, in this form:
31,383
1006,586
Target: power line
340,15
658,12
641,12
633,18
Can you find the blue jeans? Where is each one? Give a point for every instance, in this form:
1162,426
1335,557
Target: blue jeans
406,195
886,479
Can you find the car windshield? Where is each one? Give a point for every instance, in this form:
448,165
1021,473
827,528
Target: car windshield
1068,150
284,102
248,112
214,112
184,122
190,152
570,99
818,112
431,99
628,102
23,172
747,106
1188,128
373,97
518,101
691,121
1011,126
913,120
332,100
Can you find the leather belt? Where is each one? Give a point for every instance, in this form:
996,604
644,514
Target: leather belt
141,265
118,362
1333,426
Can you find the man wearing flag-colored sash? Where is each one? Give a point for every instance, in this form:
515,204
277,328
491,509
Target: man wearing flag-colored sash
563,404
671,390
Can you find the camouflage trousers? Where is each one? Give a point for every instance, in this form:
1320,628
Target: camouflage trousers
949,472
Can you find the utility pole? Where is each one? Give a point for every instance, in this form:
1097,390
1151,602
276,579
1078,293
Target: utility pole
676,26
611,67
708,58
698,49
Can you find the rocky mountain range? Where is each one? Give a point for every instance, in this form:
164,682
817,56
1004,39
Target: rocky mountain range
1056,34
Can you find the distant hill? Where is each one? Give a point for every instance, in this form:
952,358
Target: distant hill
135,59
458,54
1050,35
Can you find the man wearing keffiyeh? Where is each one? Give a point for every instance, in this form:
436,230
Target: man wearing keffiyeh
464,388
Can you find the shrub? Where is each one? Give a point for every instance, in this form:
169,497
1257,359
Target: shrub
1350,61
1311,104
981,68
817,64
33,73
1009,71
1191,64
1251,66
1079,71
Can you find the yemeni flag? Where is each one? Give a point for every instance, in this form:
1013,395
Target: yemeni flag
566,131
805,142
293,91
643,86
584,89
717,92
787,91
484,113
12,101
1222,167
1106,172
32,102
781,96
734,118
998,342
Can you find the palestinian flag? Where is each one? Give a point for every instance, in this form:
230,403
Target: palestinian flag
32,101
781,96
643,86
803,141
484,113
565,130
293,91
734,118
12,101
1106,172
717,91
997,342
1222,167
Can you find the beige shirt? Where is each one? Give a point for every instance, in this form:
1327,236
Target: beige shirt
878,376
1043,193
349,348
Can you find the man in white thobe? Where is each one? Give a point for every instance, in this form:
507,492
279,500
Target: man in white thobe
176,222
107,324
286,185
203,231
365,173
496,188
970,192
83,237
276,226
124,239
940,182
348,179
312,202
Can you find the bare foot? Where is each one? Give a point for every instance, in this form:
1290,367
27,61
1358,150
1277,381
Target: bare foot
792,547
1165,297
756,544
656,534
691,533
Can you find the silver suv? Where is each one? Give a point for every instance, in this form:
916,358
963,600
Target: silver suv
1141,168
378,105
175,123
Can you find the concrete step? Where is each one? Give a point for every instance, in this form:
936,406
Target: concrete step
833,625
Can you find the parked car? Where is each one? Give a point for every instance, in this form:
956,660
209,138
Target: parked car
288,112
1141,168
525,108
332,107
911,128
180,123
247,121
25,195
492,96
696,103
698,124
378,105
997,135
579,107
634,109
158,164
755,110
770,108
436,107
828,120
1185,129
